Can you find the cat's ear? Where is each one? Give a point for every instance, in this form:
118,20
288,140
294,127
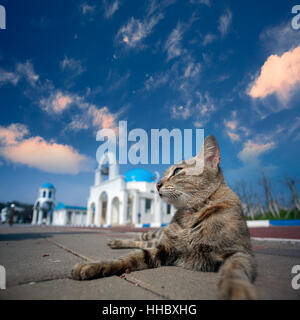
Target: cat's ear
209,156
211,152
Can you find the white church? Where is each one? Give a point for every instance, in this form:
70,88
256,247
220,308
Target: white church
114,200
46,212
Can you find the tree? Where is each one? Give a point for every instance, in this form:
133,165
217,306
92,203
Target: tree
291,184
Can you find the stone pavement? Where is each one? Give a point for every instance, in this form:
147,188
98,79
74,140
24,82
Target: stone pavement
38,260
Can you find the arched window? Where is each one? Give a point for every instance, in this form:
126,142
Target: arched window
44,194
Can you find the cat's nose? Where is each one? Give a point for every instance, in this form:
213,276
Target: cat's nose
158,185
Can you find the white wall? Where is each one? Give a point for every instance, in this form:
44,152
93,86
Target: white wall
60,217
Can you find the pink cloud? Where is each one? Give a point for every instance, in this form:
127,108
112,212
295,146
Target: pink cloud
233,136
57,103
232,125
279,75
38,153
12,134
61,102
102,118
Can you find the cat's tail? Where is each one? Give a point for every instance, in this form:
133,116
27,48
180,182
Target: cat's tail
236,277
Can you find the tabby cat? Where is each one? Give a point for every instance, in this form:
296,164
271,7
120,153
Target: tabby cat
207,233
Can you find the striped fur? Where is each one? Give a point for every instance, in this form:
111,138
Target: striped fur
207,233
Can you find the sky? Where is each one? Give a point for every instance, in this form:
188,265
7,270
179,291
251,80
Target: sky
71,68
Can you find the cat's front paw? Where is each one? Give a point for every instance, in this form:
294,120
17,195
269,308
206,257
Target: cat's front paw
114,244
86,271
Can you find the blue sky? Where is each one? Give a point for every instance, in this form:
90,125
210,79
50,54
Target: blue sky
70,68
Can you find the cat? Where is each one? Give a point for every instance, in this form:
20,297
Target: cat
208,232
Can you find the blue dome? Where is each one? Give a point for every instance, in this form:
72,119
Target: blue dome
139,175
48,185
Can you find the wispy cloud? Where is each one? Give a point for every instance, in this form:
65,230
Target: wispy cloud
87,9
36,152
234,129
135,31
110,8
173,44
118,81
199,108
279,39
279,74
181,112
206,2
252,150
72,65
56,103
225,22
208,38
156,80
22,71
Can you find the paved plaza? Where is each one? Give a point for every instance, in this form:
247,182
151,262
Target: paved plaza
38,261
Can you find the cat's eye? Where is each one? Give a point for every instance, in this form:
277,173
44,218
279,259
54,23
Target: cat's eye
177,170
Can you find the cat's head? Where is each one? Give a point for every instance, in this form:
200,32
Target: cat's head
192,181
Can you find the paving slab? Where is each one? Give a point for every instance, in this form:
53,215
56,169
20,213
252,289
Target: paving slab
275,277
34,260
112,288
39,259
90,245
178,283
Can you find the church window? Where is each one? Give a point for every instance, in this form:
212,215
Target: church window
168,209
148,205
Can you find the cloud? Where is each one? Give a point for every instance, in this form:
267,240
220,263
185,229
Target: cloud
225,22
192,70
173,43
110,8
204,108
206,2
38,153
234,129
13,134
156,80
279,39
181,112
87,9
233,136
57,102
209,38
279,74
232,125
135,31
22,71
72,65
89,116
251,150
200,108
8,77
117,84
26,70
101,118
